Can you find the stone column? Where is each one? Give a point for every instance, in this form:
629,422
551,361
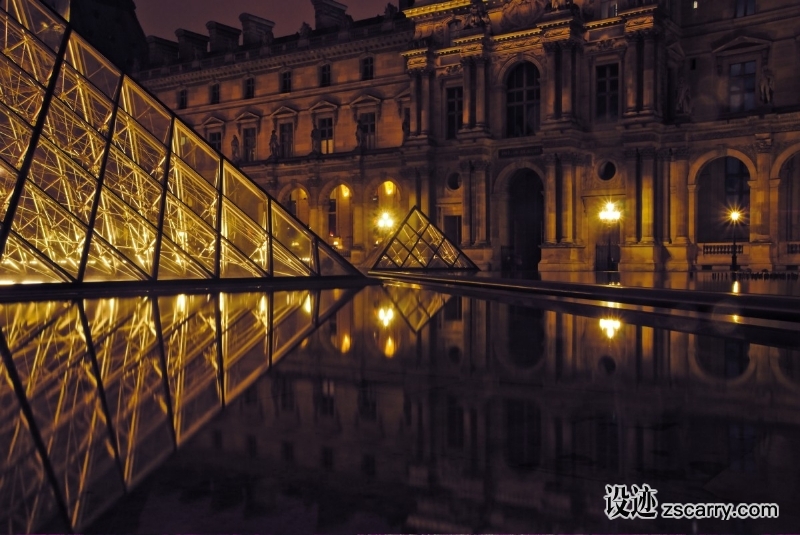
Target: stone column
631,74
415,102
466,203
550,199
679,178
566,79
631,196
649,85
481,198
774,213
551,87
648,167
760,205
360,214
692,215
664,231
480,93
567,198
467,117
425,111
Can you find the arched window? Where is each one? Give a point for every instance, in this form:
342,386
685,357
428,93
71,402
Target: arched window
523,101
721,187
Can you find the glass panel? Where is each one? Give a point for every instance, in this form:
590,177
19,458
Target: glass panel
92,65
423,253
145,110
8,179
293,320
73,136
416,222
245,195
174,264
24,50
50,229
106,264
397,253
386,263
463,263
291,234
19,91
23,264
234,265
21,321
39,20
245,318
437,263
63,180
285,264
133,185
432,236
245,234
330,265
190,233
126,230
196,153
15,137
140,146
407,236
193,191
448,252
86,101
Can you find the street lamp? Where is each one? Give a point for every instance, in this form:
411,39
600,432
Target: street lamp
610,215
735,215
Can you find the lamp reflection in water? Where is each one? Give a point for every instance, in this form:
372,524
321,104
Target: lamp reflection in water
610,326
386,315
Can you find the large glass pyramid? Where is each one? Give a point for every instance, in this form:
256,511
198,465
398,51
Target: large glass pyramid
100,182
419,245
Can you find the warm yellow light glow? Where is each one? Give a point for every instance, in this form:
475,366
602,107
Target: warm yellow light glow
307,305
389,188
390,349
610,214
736,287
180,304
385,221
736,318
735,215
345,191
345,343
610,326
386,315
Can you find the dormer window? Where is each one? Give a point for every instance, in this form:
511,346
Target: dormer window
183,99
249,88
214,94
286,82
745,7
325,76
367,68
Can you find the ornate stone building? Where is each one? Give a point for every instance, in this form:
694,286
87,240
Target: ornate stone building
513,123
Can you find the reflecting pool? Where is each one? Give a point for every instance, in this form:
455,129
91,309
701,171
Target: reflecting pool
389,409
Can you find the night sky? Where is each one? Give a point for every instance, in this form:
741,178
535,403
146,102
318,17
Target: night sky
163,17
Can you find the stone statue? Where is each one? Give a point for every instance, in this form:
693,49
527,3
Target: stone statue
359,135
305,31
555,5
316,140
406,127
235,156
477,17
273,145
767,86
683,99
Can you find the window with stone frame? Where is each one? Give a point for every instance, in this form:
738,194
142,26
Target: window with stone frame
286,81
607,92
742,86
744,8
286,140
367,68
325,75
249,136
368,125
249,88
523,101
325,127
608,8
214,94
215,140
183,99
454,120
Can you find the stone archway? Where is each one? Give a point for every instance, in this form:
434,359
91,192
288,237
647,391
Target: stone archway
722,186
521,250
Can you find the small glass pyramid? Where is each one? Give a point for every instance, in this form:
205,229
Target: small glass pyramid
419,245
100,182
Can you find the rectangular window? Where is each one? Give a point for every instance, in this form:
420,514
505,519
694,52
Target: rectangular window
249,145
286,82
608,8
367,69
214,96
452,228
183,99
367,122
455,111
745,7
286,139
326,135
325,76
215,140
367,402
742,86
331,217
607,92
326,399
250,88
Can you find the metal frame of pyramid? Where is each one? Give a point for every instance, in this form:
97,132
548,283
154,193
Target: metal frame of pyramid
418,244
101,182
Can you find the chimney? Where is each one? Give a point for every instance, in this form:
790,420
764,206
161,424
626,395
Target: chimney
329,14
223,38
161,51
257,31
191,45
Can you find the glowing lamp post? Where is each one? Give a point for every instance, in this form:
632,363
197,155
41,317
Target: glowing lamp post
385,222
735,216
610,327
610,215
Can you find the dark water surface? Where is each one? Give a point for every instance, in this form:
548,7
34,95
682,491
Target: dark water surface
395,409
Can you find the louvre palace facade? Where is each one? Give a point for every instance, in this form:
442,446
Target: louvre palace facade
514,123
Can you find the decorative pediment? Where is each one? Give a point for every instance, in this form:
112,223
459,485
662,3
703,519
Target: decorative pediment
248,118
366,102
212,123
284,114
742,44
324,107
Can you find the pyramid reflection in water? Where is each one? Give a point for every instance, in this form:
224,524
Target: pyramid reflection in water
95,394
100,182
419,245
